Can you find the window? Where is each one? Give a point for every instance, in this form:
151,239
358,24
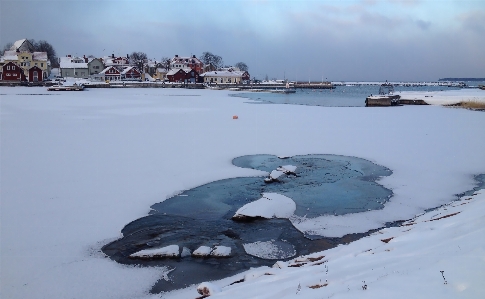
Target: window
8,67
13,67
75,73
41,64
36,63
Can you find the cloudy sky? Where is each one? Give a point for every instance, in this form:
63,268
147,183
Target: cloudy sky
296,39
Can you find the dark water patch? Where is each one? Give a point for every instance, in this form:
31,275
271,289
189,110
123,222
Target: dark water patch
321,184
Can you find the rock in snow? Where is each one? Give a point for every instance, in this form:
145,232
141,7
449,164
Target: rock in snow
207,289
221,251
202,251
167,251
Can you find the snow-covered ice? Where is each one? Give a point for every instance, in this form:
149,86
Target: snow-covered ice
77,167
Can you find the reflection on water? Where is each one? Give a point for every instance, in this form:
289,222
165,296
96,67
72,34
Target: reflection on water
321,184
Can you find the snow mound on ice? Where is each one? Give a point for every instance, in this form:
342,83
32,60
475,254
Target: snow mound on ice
271,205
167,251
271,250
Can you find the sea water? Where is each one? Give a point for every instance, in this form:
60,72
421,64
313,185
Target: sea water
202,216
340,96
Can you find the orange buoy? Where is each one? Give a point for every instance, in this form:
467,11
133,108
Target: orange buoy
235,117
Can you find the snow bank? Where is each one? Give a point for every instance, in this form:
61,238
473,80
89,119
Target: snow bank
271,205
436,255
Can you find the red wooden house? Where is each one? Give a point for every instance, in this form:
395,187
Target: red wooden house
12,72
111,73
176,75
131,72
35,74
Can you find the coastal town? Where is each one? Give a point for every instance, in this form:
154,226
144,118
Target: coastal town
21,64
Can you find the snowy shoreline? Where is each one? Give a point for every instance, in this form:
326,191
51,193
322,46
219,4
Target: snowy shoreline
77,167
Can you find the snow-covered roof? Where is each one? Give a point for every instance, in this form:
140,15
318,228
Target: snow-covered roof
72,62
39,56
17,44
107,68
161,70
127,69
173,72
232,74
10,55
184,60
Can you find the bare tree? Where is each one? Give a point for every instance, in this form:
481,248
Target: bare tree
214,61
165,63
7,47
242,66
138,59
44,46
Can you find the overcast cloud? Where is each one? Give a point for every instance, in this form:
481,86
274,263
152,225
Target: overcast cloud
300,40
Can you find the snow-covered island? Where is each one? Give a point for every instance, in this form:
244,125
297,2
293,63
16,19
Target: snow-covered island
77,167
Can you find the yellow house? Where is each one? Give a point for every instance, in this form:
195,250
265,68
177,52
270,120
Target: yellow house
160,74
27,60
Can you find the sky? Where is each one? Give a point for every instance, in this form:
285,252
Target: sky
336,40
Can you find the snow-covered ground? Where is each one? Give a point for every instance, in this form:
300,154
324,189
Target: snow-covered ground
448,97
78,166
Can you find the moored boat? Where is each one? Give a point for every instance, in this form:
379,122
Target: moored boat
63,87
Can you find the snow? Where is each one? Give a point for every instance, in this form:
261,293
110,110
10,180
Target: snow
271,205
447,97
221,251
270,250
287,168
77,167
202,251
409,265
167,251
208,289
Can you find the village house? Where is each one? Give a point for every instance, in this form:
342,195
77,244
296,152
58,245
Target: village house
186,75
110,73
187,62
229,76
95,66
131,72
116,61
75,67
22,54
12,72
160,74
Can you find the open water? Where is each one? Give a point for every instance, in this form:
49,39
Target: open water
341,96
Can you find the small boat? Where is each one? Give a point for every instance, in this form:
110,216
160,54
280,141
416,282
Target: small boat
287,89
62,87
386,97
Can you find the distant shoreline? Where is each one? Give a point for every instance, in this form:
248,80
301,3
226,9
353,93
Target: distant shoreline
461,79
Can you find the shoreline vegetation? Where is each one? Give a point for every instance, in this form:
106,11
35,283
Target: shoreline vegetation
473,105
